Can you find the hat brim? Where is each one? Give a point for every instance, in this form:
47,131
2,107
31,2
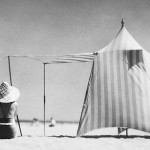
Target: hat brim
13,95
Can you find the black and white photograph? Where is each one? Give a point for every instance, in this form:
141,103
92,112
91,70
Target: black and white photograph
74,74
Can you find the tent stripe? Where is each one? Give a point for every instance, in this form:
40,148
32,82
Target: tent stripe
102,92
139,71
90,111
115,90
143,101
109,89
105,60
88,114
118,91
127,89
143,124
98,90
129,82
142,73
113,84
92,106
146,102
96,101
137,96
122,88
134,93
147,95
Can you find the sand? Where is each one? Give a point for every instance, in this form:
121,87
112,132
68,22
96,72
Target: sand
62,137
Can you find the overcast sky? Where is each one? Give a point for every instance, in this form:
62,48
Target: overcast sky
54,27
69,26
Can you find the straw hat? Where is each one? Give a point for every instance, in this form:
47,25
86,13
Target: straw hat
8,93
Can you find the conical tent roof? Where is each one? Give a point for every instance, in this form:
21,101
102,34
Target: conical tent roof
118,90
122,41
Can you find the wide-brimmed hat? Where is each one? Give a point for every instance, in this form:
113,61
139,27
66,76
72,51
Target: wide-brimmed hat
8,93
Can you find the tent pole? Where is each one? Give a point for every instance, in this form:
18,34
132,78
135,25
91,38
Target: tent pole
126,131
11,85
44,99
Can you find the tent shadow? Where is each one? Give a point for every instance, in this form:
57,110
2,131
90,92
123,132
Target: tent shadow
96,136
103,136
116,136
62,136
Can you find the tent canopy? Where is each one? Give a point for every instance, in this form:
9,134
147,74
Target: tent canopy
54,59
118,90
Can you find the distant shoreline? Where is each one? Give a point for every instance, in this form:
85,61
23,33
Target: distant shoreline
47,121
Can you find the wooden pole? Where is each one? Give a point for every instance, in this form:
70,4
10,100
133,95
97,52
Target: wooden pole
44,99
126,131
11,85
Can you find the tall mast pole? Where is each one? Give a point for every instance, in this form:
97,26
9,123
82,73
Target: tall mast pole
44,99
11,85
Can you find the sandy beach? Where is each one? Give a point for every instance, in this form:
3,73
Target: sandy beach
63,137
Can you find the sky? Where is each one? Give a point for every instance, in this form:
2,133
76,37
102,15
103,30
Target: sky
58,27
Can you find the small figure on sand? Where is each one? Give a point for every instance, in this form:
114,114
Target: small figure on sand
8,110
52,122
35,122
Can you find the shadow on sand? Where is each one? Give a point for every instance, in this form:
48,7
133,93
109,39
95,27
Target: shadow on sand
103,136
95,136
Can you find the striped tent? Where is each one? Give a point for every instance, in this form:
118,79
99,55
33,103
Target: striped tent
118,89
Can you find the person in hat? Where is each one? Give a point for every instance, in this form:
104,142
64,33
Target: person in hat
8,110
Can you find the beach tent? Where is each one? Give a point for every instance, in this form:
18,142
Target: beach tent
118,89
117,93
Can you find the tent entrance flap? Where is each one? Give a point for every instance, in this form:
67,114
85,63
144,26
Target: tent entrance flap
85,104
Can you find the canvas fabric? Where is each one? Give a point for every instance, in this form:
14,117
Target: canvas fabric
118,90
